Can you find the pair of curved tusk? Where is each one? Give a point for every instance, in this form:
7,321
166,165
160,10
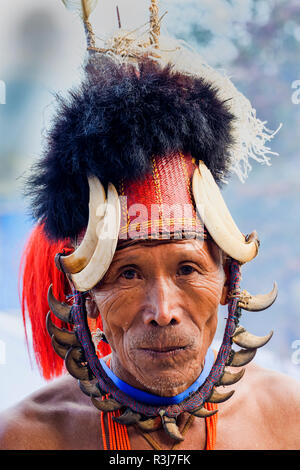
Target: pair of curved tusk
244,339
217,219
80,258
256,303
88,264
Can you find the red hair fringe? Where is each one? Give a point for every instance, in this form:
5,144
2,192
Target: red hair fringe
37,272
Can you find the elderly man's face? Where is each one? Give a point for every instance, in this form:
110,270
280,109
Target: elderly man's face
159,304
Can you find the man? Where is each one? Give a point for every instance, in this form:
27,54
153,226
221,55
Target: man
179,315
146,250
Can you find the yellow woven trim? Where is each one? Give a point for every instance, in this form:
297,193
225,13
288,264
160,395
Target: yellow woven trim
156,181
160,222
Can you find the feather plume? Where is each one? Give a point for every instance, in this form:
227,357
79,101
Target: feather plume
111,127
250,135
82,7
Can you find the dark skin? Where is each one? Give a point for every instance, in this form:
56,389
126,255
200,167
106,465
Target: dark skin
159,305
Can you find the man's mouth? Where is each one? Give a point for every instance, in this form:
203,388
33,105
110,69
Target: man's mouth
164,351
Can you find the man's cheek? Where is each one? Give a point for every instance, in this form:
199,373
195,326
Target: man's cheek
124,311
209,294
202,310
119,319
116,321
114,335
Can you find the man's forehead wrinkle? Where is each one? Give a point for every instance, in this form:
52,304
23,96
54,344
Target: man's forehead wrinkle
149,242
184,247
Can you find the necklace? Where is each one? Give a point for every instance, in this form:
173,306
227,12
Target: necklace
115,435
118,435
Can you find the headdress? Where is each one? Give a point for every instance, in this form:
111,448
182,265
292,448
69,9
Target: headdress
154,124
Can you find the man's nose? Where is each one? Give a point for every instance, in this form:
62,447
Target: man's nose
163,304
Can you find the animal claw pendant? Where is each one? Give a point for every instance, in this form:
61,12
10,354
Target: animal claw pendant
69,346
170,427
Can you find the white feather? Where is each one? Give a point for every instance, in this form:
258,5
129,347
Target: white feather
82,7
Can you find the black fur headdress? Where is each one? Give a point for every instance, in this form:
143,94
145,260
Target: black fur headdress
111,126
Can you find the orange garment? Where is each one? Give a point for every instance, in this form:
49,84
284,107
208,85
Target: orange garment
211,427
117,433
117,436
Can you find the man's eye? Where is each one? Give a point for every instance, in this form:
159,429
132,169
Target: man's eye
129,274
185,270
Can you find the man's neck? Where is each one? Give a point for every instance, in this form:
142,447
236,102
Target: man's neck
159,399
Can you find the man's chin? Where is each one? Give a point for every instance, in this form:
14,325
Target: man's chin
166,380
165,383
165,372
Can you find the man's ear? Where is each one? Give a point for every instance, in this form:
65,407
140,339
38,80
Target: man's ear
91,307
225,291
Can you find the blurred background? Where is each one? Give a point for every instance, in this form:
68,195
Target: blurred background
257,42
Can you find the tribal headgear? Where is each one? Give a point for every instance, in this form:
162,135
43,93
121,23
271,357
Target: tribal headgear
151,125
